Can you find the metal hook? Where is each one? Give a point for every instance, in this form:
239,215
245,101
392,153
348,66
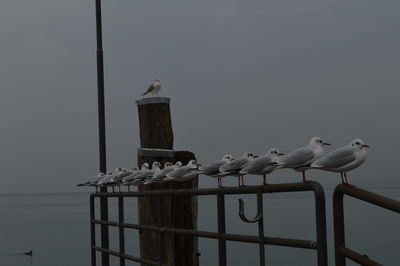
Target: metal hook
244,218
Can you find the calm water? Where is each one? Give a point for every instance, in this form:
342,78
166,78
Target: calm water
56,228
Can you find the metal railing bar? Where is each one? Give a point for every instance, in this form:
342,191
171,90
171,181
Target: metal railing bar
128,257
272,188
357,257
221,229
260,209
370,197
121,230
275,241
92,232
320,222
341,251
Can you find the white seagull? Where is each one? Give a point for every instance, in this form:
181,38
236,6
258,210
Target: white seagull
168,167
183,173
343,159
146,174
233,168
262,165
301,158
92,181
212,169
154,88
130,180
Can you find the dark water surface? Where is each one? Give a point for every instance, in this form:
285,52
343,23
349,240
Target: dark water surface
56,228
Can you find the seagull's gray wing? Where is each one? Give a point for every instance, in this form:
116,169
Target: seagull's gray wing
257,165
149,89
234,166
212,168
181,171
336,158
144,174
163,172
298,157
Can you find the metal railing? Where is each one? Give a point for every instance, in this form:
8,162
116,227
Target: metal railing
341,251
320,245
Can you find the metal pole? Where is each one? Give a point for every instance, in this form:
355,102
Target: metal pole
260,209
102,130
320,216
338,226
92,232
121,230
221,229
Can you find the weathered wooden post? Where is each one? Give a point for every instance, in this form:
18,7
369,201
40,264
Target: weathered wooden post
156,140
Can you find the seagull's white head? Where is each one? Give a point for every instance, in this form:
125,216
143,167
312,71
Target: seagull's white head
316,141
178,164
118,169
193,164
274,152
168,164
359,144
227,157
249,154
157,79
155,165
145,166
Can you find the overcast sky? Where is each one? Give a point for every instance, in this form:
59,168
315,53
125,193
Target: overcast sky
241,75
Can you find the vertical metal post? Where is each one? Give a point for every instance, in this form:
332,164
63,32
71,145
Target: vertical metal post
221,229
320,215
338,226
121,230
102,130
92,232
260,209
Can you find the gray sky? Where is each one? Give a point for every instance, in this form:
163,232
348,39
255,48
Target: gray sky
241,75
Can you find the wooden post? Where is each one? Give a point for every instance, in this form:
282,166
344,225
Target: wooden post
156,138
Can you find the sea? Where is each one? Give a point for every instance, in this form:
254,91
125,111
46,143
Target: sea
55,226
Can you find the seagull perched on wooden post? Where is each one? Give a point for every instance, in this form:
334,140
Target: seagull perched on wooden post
154,88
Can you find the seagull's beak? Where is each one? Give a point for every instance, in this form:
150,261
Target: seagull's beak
365,145
326,143
280,154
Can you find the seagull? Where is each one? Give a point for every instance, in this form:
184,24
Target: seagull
301,158
262,165
119,175
92,181
103,181
168,167
134,171
183,173
212,169
233,168
129,180
343,159
146,174
154,88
